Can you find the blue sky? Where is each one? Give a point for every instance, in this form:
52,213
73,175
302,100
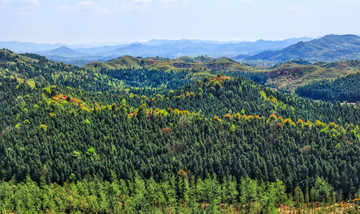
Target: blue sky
77,21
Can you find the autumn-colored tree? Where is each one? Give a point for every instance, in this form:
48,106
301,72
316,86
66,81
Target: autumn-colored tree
182,173
166,131
43,127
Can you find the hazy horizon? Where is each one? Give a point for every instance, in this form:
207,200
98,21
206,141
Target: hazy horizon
126,21
134,42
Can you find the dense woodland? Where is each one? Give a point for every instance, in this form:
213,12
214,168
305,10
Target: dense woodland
222,143
345,89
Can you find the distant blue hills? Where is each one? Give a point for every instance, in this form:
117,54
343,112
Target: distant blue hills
80,55
327,48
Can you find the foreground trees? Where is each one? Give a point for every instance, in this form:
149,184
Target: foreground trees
138,195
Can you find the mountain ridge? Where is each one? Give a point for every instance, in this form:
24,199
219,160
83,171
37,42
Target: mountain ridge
153,48
327,48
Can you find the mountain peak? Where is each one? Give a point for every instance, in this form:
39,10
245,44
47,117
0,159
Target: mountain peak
62,48
331,47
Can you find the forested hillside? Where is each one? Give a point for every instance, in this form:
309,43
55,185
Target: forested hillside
341,89
215,143
37,68
127,72
166,73
298,73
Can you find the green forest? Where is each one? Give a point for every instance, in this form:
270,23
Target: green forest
199,135
345,89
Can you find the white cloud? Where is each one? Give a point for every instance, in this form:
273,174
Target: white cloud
19,3
153,3
88,6
245,1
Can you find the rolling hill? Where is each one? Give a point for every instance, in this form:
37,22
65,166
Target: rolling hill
159,63
293,74
346,88
62,51
158,72
327,48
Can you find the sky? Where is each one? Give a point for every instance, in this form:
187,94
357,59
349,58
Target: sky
123,21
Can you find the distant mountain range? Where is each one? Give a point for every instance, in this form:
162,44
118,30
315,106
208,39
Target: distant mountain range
328,48
62,51
152,48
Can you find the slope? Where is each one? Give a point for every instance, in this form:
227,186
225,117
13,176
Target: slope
221,127
293,74
342,89
163,72
53,132
327,48
32,66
